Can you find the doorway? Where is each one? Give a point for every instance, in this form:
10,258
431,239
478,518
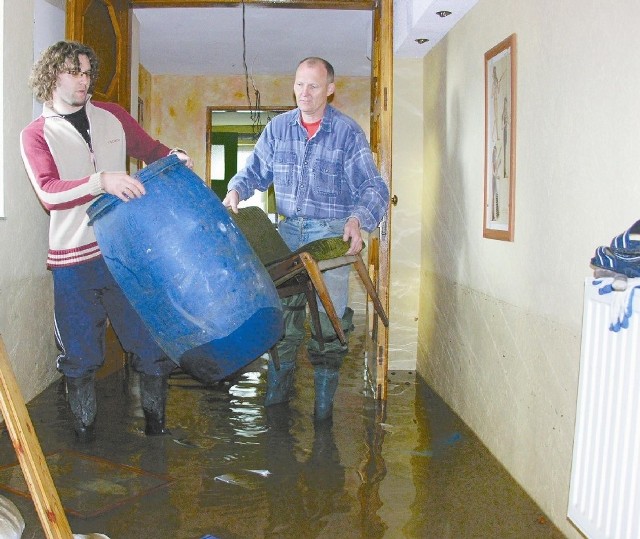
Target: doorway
232,134
84,17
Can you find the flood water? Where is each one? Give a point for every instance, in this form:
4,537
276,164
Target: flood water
233,469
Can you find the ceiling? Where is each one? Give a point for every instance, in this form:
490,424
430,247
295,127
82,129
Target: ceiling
204,41
208,41
419,19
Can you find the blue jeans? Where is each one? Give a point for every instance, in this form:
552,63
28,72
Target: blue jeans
84,296
297,232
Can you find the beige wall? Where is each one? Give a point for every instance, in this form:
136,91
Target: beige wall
408,171
176,106
26,304
500,322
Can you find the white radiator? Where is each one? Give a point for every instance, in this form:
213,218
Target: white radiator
604,496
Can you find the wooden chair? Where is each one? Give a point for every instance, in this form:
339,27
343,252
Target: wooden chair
301,271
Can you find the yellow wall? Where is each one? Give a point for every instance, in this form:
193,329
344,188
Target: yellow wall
500,322
176,106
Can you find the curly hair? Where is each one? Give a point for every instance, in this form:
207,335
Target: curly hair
54,60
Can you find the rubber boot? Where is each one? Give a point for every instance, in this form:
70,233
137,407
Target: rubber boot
81,394
279,383
326,383
153,394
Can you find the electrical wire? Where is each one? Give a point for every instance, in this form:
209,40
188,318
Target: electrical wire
254,111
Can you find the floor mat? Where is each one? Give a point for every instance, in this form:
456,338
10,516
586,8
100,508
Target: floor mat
88,486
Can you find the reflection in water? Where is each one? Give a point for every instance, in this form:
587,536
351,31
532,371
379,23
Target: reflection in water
372,472
238,470
305,491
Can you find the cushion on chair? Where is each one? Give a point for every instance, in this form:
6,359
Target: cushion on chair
269,245
326,248
261,234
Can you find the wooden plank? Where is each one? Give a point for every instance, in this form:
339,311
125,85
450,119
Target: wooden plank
381,130
34,466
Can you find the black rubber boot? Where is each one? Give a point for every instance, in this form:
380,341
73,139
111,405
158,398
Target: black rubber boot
81,394
153,394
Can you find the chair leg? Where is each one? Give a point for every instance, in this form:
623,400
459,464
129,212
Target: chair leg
310,292
273,354
321,289
366,281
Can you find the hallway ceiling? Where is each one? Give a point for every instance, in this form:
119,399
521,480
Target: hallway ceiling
208,41
419,19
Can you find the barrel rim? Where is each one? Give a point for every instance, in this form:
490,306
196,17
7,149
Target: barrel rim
106,201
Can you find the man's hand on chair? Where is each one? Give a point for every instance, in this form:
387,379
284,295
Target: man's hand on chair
353,235
231,200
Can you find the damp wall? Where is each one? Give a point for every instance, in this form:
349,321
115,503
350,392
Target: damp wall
176,106
500,322
26,297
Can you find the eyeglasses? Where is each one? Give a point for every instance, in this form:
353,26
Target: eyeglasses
76,73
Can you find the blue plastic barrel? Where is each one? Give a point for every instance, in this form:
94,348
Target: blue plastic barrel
189,272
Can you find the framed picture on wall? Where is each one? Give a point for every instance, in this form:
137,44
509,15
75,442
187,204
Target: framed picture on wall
500,140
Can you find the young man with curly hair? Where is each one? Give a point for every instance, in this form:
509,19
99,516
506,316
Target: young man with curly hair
74,152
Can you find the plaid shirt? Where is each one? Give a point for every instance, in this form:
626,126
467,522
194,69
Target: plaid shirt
329,176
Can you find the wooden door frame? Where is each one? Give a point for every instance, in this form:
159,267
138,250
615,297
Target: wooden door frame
381,137
381,120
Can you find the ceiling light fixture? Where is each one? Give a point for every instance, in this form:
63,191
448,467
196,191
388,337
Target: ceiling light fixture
421,40
443,13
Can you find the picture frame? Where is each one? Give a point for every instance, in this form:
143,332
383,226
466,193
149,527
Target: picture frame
500,76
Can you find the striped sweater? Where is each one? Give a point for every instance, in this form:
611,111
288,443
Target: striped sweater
65,172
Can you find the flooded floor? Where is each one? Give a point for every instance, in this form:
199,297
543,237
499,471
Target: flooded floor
233,469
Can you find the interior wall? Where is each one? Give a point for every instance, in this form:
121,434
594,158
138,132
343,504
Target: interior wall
408,171
177,110
26,321
48,27
500,322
